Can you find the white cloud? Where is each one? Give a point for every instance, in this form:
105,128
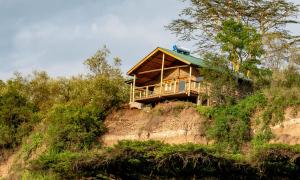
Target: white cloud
57,36
60,43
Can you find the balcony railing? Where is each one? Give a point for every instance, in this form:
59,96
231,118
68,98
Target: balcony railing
168,88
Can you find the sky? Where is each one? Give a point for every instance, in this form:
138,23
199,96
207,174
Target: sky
58,36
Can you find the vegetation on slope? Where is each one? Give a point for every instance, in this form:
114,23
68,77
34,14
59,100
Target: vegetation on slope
151,159
230,125
59,115
17,118
56,122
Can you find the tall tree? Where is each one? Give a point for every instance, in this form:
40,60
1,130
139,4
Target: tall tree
98,64
242,44
202,21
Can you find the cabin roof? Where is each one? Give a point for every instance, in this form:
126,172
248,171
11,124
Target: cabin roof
187,59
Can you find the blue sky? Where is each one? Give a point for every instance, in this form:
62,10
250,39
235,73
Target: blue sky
57,36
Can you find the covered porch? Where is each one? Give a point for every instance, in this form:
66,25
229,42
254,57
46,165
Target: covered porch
177,88
165,74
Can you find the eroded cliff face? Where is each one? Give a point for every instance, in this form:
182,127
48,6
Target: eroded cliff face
173,122
288,131
179,123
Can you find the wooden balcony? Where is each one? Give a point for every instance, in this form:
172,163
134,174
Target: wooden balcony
169,89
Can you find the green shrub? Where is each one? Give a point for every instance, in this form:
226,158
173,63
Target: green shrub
153,159
278,159
16,115
73,128
59,163
262,137
278,100
231,124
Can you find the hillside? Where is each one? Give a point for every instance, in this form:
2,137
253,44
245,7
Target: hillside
176,123
82,127
180,123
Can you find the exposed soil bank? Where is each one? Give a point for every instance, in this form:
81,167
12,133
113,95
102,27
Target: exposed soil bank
173,122
179,123
288,131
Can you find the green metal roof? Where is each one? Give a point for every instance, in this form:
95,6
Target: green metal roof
201,63
193,60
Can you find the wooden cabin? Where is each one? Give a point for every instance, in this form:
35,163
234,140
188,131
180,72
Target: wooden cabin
167,75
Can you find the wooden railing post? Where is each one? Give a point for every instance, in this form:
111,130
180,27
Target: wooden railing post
147,91
162,73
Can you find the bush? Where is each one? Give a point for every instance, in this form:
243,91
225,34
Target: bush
280,159
59,165
231,124
16,115
134,159
262,137
155,160
278,100
73,128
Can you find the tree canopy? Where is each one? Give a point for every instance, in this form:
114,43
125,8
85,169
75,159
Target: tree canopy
242,44
202,20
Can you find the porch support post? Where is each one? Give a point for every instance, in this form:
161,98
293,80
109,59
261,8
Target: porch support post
199,101
162,73
130,94
190,81
134,78
175,84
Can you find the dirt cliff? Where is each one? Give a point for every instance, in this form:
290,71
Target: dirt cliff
288,131
173,122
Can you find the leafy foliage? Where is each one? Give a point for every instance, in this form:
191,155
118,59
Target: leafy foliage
223,82
152,159
202,20
16,118
242,44
73,128
279,100
63,115
230,126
